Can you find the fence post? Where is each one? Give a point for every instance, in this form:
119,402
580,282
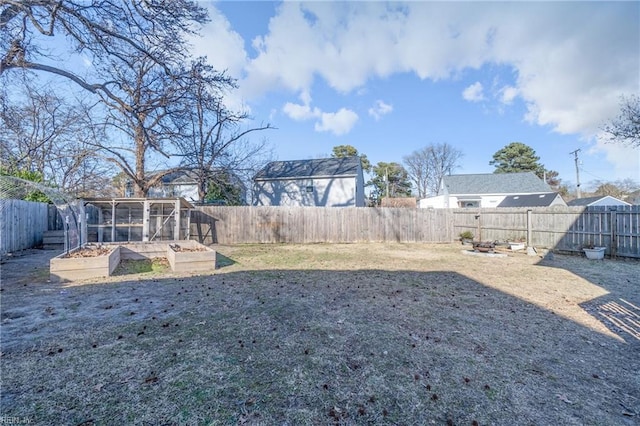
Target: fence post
614,234
529,230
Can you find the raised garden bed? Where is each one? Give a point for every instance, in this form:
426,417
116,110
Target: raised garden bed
191,256
100,260
90,261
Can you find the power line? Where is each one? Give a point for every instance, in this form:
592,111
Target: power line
589,173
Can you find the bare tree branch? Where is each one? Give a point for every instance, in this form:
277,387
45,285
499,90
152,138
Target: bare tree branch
625,128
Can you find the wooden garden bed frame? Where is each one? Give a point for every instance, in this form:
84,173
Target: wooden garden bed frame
64,268
191,261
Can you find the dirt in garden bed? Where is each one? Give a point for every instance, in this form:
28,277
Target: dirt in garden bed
184,249
325,334
90,252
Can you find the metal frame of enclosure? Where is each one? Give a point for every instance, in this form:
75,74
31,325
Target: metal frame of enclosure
137,219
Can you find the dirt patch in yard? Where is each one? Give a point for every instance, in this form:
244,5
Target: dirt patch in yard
323,334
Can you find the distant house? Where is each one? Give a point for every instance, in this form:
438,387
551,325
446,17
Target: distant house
327,182
601,200
177,184
533,200
484,190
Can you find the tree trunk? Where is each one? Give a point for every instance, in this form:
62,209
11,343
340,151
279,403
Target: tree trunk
141,188
202,191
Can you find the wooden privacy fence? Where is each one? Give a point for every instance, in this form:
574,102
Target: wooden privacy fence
22,224
559,228
230,225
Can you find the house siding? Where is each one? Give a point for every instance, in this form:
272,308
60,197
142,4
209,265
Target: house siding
338,190
605,201
186,191
327,192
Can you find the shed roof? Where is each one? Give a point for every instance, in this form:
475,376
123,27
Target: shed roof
106,201
323,167
529,200
495,183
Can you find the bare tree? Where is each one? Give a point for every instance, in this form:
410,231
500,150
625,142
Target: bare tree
137,48
96,28
214,143
427,166
625,128
444,159
418,165
45,133
141,119
619,189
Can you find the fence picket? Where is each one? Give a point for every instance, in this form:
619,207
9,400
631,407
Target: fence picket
22,224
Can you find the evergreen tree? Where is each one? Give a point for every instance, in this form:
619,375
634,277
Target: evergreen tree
389,179
517,157
341,151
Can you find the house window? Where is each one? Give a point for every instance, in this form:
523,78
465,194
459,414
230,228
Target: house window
468,204
309,188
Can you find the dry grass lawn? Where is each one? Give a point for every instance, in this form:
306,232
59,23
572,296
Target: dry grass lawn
327,334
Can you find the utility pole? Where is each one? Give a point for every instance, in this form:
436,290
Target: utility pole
386,179
575,158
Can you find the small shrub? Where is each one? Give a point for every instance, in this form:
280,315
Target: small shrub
466,235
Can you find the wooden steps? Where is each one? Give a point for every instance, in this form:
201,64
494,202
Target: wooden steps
53,240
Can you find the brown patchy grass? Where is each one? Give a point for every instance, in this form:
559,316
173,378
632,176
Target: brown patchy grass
328,334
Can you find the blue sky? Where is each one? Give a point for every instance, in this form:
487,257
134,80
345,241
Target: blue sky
392,78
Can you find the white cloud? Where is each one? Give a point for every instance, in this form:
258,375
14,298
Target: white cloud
379,109
569,75
626,160
224,49
508,94
557,59
338,123
300,112
473,93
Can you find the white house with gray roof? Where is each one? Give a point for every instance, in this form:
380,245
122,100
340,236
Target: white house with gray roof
325,182
485,190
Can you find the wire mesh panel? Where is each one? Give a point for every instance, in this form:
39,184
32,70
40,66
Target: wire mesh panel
70,210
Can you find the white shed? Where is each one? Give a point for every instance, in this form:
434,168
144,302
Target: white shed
326,182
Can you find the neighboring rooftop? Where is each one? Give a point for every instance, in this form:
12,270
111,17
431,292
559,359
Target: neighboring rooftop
532,200
180,177
324,167
602,200
495,183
